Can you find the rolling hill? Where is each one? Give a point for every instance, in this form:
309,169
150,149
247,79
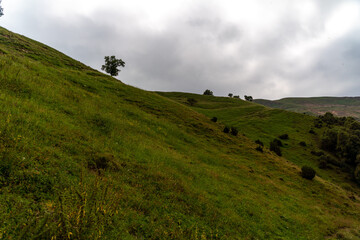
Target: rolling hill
339,106
84,156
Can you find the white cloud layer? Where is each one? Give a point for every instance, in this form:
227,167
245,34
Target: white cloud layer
267,49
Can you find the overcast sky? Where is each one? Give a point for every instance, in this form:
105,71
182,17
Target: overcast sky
264,48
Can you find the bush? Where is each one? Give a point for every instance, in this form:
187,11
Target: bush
101,161
191,101
284,136
234,131
278,142
226,130
274,146
308,172
329,140
259,148
208,92
259,142
302,143
312,131
214,119
237,96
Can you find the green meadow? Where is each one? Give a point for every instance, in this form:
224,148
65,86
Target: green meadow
84,156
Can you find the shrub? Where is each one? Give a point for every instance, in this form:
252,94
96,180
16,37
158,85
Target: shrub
312,131
329,140
236,96
214,119
284,136
259,148
101,161
302,143
259,142
226,129
308,172
208,92
274,146
234,131
230,95
191,101
278,142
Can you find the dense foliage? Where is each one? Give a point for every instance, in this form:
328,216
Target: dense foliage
342,139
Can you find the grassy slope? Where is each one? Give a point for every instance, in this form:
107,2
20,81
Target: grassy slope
164,170
340,106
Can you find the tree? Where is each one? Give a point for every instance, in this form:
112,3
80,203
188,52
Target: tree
230,95
112,64
248,98
208,92
1,10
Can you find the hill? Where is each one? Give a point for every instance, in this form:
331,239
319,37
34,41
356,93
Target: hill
84,156
339,106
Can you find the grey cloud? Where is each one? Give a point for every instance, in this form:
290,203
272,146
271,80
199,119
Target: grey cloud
200,50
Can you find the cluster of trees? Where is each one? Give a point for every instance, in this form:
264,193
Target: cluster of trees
210,93
342,141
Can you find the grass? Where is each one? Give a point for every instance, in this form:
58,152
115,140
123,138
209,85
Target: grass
84,156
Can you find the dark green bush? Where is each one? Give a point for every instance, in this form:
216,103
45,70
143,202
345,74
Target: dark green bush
308,172
312,131
214,119
274,146
284,136
259,148
302,143
278,142
234,131
259,142
226,129
101,161
191,101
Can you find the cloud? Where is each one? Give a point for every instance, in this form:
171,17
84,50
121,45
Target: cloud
273,50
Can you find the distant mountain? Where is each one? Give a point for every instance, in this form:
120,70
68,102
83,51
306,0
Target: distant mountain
339,106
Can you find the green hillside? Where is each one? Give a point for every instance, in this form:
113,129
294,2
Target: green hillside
84,156
340,106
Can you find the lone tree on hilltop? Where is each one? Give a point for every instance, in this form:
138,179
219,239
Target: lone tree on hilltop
1,10
208,92
112,64
230,95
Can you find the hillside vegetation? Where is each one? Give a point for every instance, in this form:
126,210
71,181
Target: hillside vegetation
339,106
84,156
